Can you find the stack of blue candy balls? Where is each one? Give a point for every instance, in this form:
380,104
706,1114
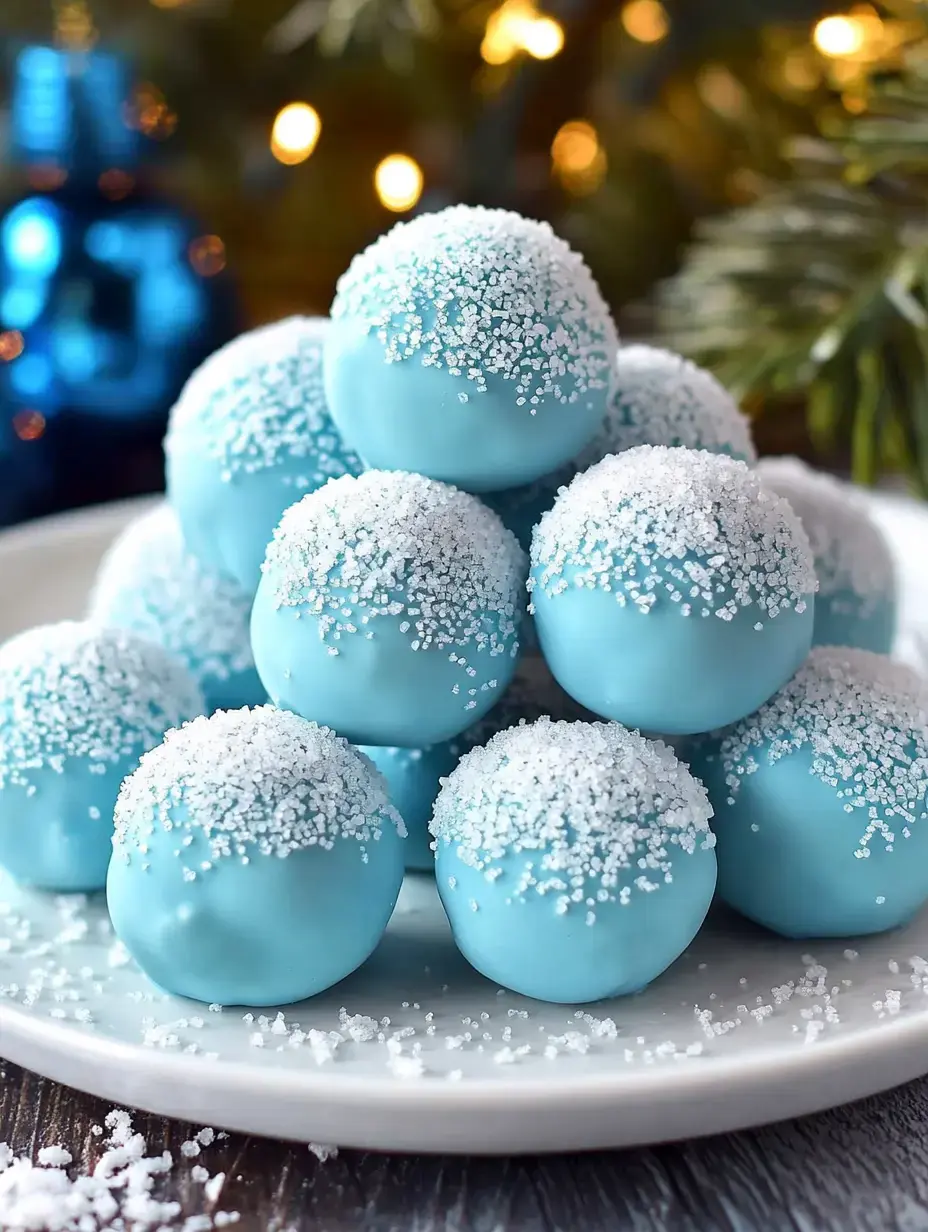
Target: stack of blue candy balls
452,584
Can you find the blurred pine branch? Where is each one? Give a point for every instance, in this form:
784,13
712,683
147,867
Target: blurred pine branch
819,288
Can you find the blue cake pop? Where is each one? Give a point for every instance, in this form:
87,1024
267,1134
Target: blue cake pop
79,705
389,609
856,600
574,860
671,590
472,346
414,775
148,582
250,434
256,859
659,398
821,799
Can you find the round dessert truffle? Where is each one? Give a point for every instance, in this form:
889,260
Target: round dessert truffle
659,398
389,609
256,859
79,705
250,434
820,799
472,346
574,860
148,582
414,776
856,600
671,590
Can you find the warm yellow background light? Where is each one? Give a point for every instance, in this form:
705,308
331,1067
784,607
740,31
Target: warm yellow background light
295,133
398,182
577,158
839,36
646,21
517,26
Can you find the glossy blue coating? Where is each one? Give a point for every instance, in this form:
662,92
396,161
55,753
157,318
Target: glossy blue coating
663,671
375,690
229,519
59,836
403,416
522,943
413,778
786,852
269,932
847,619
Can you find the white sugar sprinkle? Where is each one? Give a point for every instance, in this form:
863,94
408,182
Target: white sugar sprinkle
600,803
149,583
865,719
260,400
660,398
392,544
260,778
75,690
322,1151
484,294
851,554
694,526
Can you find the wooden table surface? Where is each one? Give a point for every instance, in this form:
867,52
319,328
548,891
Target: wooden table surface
863,1168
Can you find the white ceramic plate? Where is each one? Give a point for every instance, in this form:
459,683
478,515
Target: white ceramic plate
744,1028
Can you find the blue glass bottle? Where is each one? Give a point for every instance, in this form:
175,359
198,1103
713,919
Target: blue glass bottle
111,295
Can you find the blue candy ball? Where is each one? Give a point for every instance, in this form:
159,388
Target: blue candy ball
821,799
472,346
671,591
250,434
658,398
414,775
389,609
149,583
856,600
256,859
79,705
574,860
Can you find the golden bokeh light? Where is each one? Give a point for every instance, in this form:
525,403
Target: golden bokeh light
29,425
518,26
295,133
543,38
12,345
398,182
646,21
839,35
577,158
207,255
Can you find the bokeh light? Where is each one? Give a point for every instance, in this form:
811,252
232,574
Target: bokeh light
839,35
646,21
207,255
295,133
11,345
577,158
116,184
29,425
398,182
517,26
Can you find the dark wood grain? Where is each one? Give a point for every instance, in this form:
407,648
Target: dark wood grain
859,1169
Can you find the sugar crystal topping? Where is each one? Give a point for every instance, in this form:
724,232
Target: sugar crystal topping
660,398
849,549
392,544
150,584
251,780
259,401
865,718
696,528
484,293
79,691
599,811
